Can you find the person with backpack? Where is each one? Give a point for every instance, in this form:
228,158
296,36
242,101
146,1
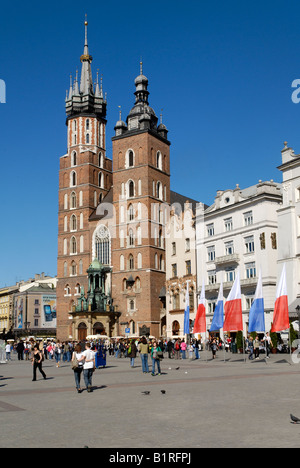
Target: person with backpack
144,352
132,351
77,366
156,355
177,349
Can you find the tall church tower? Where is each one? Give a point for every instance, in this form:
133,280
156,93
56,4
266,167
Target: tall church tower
141,199
85,177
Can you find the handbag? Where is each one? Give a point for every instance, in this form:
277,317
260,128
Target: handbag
75,363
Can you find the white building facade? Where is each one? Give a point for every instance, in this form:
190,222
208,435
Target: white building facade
289,227
239,232
180,270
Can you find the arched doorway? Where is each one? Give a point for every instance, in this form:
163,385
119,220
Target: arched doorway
82,332
98,329
175,328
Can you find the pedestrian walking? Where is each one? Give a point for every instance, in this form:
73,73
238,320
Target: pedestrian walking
214,348
132,351
251,348
197,345
155,355
77,366
88,356
144,352
20,350
267,340
37,359
256,347
8,353
177,349
170,349
183,347
57,353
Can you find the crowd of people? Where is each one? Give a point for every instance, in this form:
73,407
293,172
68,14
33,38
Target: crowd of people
85,357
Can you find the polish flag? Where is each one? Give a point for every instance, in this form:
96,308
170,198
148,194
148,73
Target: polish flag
200,320
233,308
281,311
218,318
257,311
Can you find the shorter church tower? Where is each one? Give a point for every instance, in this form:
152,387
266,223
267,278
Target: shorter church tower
141,199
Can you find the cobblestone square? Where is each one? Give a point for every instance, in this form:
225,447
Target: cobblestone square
207,403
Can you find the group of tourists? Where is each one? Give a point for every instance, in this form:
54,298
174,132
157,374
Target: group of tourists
85,357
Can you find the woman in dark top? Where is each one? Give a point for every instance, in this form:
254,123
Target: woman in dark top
132,351
37,359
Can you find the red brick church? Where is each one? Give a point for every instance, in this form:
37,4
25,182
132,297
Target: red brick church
112,215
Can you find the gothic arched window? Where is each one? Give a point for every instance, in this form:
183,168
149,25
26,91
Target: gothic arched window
73,203
73,179
131,262
131,189
130,159
73,245
101,245
159,160
130,213
101,180
131,237
73,226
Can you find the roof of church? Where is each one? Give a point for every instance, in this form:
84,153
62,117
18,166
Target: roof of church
178,199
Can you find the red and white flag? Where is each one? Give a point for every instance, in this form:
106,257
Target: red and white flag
200,320
281,311
233,308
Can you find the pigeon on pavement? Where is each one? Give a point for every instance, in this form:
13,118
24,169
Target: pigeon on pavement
295,419
146,393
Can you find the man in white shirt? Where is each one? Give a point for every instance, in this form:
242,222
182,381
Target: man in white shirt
267,340
7,350
89,366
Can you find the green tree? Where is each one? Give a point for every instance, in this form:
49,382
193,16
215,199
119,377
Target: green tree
239,340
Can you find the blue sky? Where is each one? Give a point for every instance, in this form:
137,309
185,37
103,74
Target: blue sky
221,71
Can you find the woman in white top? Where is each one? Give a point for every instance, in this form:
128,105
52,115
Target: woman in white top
78,355
88,356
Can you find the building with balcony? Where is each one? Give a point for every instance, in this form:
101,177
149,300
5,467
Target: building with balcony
239,232
289,227
180,268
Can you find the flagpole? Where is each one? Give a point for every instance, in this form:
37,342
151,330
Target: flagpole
290,346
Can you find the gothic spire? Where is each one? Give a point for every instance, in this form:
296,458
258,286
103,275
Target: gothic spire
86,83
83,98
